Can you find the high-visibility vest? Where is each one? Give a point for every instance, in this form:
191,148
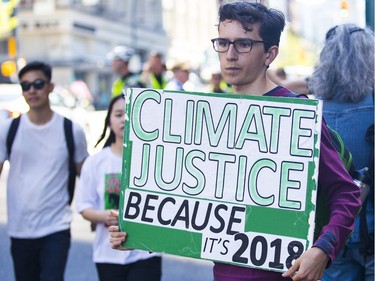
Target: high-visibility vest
155,84
129,81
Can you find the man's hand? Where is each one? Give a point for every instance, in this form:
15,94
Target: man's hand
309,267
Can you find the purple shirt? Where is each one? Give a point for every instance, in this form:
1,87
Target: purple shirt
343,201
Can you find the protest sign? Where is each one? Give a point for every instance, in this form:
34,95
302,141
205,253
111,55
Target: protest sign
228,178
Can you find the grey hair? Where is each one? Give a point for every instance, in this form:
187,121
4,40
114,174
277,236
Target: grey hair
345,70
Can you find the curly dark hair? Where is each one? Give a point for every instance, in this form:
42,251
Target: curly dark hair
271,21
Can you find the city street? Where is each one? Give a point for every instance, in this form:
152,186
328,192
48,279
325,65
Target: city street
80,266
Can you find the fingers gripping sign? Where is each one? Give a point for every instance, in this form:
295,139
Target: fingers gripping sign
116,238
309,267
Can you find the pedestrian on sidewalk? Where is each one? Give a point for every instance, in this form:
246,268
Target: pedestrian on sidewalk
154,72
38,198
181,71
249,35
120,57
344,79
99,193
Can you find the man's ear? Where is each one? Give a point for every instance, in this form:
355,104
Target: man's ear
51,86
271,54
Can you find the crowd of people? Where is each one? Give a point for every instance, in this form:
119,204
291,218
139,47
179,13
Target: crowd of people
156,75
41,156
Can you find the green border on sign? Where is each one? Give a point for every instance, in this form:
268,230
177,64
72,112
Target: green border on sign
159,235
288,223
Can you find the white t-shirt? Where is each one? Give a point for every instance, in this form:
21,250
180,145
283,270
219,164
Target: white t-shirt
99,176
37,192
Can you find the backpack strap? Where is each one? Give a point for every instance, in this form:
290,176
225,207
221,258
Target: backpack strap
366,238
342,150
284,92
68,131
12,134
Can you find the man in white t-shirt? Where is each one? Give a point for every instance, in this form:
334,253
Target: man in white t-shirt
39,214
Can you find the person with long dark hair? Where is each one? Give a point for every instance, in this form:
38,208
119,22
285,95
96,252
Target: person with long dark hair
98,194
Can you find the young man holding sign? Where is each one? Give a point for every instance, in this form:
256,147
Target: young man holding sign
249,35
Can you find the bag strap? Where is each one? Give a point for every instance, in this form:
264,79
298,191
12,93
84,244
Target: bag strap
366,241
68,131
12,134
284,92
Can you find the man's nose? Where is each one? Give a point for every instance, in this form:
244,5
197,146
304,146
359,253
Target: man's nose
232,53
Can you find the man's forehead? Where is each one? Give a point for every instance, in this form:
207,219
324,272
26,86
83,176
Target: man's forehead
33,73
264,2
252,28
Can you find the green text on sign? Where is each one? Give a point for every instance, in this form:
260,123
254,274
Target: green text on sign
220,177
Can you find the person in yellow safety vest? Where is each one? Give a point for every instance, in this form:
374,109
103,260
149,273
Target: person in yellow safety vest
120,56
218,85
154,72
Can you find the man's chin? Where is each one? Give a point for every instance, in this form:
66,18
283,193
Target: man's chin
230,80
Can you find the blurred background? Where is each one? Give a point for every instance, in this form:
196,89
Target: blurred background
75,36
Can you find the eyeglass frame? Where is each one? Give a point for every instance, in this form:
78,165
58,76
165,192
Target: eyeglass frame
38,84
252,42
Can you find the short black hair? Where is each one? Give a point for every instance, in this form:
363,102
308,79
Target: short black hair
36,65
271,21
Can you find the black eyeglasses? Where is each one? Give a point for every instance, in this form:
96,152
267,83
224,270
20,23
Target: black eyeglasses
221,45
37,84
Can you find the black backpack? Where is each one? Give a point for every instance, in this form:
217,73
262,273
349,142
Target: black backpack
366,238
68,131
